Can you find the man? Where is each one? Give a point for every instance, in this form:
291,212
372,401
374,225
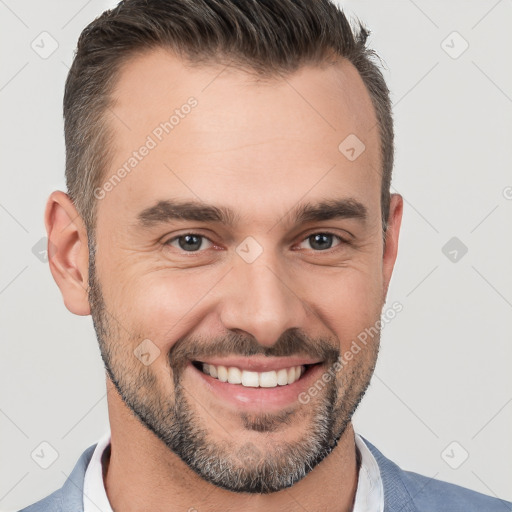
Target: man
229,227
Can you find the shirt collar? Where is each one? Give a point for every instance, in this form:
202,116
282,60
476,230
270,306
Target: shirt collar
370,490
95,496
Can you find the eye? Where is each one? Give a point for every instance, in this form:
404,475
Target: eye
190,242
321,241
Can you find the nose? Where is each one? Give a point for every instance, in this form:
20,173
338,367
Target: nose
259,298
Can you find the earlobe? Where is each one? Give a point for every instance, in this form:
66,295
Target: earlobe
68,251
392,235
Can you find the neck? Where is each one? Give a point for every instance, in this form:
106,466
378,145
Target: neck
141,473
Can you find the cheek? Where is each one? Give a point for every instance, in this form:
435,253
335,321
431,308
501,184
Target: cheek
163,305
348,302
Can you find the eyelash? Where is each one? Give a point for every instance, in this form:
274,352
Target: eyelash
342,241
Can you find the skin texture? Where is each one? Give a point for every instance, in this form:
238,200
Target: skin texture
259,148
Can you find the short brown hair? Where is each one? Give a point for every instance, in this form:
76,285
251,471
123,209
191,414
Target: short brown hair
268,37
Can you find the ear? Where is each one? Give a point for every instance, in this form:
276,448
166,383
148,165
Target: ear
68,253
392,232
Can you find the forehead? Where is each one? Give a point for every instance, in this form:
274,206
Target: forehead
212,129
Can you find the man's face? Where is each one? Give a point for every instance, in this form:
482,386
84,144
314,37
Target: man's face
178,290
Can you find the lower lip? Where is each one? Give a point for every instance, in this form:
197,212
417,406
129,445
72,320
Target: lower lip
247,398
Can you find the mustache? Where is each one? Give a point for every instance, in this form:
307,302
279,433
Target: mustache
293,342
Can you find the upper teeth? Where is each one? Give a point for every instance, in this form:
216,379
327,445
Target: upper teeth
270,379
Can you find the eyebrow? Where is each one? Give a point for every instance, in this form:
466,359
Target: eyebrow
165,211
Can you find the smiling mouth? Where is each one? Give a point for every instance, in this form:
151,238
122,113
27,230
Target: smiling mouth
252,379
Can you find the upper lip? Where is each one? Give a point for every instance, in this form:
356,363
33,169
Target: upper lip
260,364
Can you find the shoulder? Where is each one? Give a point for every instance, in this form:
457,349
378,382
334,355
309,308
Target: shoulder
409,491
51,503
430,494
69,498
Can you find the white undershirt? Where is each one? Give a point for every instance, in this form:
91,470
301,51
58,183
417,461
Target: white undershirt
369,493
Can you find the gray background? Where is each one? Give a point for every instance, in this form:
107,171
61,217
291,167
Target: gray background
444,372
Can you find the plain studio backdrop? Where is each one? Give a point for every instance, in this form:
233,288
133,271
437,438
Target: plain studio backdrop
440,402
